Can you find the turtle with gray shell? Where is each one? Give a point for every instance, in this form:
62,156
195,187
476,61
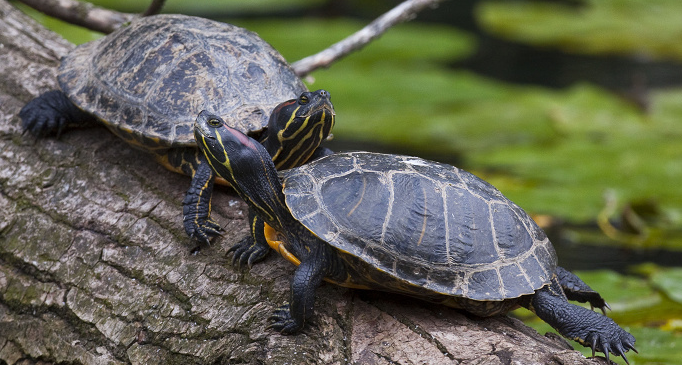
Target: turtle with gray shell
406,225
147,81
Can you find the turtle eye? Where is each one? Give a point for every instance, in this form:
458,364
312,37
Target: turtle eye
303,99
213,122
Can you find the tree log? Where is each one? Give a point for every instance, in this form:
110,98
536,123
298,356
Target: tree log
95,267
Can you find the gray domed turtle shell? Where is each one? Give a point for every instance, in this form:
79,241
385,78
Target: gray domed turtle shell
430,224
148,81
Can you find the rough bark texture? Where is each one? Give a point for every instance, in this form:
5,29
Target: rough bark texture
95,267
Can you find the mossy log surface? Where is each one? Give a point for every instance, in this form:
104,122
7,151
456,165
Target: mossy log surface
96,269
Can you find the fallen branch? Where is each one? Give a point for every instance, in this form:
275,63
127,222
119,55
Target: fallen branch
406,11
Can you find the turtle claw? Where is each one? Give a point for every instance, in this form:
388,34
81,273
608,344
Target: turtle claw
620,351
602,308
616,342
204,230
247,251
284,323
606,353
627,345
595,300
212,226
255,257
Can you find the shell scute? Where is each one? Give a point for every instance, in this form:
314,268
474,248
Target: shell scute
343,164
537,274
357,203
471,238
510,234
514,279
485,284
415,221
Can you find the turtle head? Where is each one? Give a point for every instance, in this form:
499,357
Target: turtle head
297,127
244,163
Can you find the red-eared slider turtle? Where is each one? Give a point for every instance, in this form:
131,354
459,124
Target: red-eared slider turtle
147,81
405,225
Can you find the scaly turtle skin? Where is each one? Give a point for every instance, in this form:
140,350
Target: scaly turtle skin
147,81
405,225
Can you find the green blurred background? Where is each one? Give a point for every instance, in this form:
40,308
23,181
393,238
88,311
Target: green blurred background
571,108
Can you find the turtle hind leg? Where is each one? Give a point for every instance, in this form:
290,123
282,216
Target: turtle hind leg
577,290
50,113
587,327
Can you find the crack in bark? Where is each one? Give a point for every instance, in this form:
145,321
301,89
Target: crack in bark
416,329
159,283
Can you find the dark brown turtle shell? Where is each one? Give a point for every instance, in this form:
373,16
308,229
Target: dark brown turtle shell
433,228
148,80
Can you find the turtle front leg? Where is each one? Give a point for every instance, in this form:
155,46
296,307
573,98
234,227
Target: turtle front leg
254,247
577,290
50,113
196,207
291,317
580,324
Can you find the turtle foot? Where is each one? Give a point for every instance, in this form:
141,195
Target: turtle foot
284,322
613,340
248,251
49,114
203,229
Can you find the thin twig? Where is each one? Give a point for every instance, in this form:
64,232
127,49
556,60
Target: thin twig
154,8
407,10
82,14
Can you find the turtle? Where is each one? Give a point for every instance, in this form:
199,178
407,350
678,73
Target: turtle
406,225
147,81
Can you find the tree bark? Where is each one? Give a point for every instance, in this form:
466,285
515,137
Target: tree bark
95,267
